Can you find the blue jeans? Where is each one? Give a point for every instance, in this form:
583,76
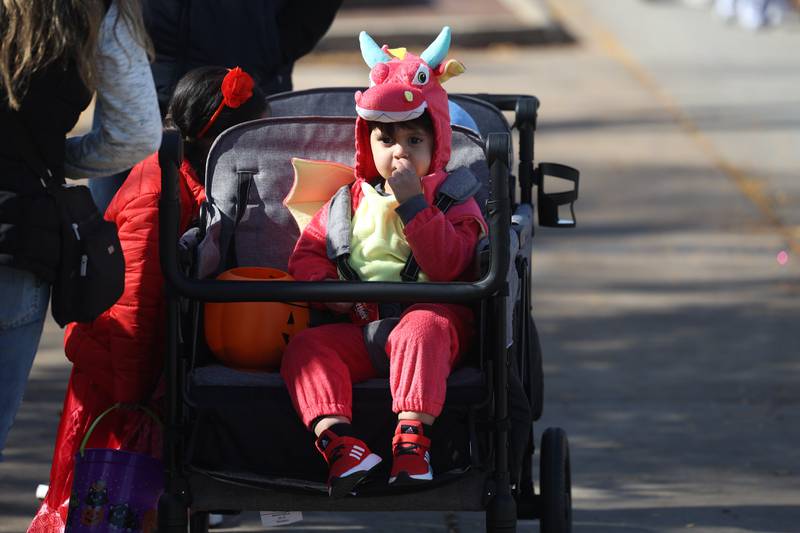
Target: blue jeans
24,298
104,189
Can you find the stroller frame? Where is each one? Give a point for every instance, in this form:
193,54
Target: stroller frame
491,490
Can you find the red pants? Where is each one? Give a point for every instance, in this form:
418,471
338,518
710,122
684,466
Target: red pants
321,364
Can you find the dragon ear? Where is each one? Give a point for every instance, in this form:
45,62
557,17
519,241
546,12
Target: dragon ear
450,69
370,50
437,50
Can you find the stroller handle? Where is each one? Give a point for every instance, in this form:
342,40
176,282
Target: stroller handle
493,282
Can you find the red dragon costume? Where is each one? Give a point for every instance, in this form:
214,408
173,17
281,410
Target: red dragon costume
321,363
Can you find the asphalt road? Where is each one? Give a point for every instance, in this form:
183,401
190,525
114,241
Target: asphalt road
669,327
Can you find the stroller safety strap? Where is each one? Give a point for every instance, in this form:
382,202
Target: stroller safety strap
337,240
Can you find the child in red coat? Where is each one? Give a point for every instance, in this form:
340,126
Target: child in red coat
402,146
117,358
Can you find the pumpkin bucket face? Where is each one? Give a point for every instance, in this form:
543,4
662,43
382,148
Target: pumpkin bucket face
252,335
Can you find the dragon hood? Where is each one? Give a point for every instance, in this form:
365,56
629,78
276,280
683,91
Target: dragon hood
402,86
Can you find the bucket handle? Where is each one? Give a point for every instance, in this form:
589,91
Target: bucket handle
97,420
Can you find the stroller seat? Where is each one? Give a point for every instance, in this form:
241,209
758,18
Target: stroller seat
246,224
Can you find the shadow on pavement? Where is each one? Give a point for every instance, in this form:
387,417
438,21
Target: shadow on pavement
701,518
30,447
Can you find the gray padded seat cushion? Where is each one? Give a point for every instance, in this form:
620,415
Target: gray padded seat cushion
259,154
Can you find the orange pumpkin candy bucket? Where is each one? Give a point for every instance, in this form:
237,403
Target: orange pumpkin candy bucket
252,335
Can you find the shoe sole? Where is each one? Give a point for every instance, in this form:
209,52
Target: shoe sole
342,486
404,479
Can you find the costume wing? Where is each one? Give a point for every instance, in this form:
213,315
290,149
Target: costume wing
315,182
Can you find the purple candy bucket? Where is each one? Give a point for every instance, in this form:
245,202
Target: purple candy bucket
114,491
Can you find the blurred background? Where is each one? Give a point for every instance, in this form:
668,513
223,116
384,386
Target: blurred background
669,317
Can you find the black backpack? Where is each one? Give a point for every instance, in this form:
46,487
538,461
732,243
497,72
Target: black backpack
90,276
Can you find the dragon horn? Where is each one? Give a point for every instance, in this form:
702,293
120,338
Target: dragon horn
437,50
370,50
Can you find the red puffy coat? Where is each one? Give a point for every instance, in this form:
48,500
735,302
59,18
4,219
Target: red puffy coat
118,357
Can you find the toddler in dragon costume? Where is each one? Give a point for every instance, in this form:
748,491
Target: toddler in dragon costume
403,218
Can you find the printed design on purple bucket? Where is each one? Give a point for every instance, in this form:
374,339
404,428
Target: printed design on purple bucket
94,509
121,516
117,490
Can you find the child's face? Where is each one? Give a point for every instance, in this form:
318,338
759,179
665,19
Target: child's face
413,144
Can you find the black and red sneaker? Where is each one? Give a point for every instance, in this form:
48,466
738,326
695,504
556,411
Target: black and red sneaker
411,458
349,462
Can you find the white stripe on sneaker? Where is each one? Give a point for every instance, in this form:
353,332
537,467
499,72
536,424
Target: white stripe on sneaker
367,464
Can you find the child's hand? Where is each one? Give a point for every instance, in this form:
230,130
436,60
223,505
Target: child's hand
340,307
404,181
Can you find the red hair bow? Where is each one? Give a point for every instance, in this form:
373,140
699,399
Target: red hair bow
237,88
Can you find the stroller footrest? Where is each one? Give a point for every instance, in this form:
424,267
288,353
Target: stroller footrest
217,490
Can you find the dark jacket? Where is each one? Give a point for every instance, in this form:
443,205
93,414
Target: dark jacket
29,236
264,37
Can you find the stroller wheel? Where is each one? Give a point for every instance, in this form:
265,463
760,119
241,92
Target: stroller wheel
555,483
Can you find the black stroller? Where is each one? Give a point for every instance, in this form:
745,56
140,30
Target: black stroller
220,452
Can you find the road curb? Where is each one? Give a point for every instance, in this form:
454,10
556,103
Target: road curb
550,35
533,25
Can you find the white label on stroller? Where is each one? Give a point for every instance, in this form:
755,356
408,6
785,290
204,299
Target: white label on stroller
280,518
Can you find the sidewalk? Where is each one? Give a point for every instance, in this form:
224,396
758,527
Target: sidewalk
475,24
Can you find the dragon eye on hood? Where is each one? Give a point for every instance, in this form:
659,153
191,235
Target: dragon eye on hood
422,75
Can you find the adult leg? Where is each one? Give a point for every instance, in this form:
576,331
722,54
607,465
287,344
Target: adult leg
24,299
